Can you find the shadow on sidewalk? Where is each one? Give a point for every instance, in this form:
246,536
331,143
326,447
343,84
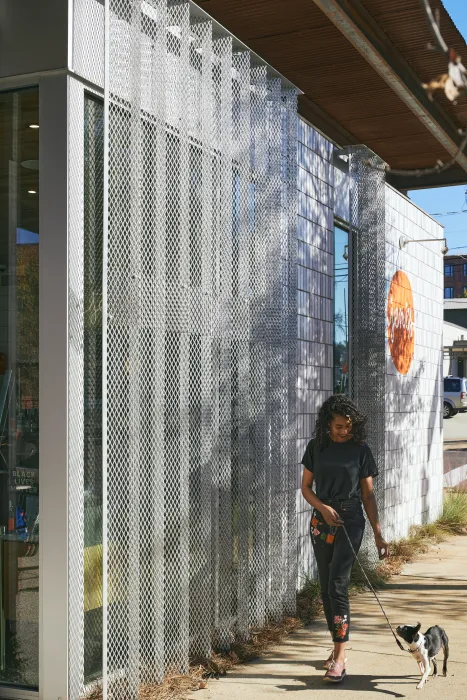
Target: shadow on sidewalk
426,587
357,682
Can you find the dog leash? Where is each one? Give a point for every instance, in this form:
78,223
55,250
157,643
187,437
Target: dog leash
399,644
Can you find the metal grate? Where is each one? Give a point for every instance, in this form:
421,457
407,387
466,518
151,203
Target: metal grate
200,300
88,40
76,436
85,388
198,347
368,306
93,241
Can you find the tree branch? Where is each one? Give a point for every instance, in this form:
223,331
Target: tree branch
452,82
438,168
434,27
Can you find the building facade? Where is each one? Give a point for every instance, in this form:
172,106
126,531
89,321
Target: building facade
455,311
455,277
189,269
455,355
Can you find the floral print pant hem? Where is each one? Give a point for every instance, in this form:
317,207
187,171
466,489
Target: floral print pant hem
335,559
341,626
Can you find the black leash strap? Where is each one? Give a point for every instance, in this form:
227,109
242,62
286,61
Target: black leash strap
399,644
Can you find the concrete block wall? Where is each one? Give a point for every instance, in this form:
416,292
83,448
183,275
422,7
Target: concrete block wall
315,246
413,478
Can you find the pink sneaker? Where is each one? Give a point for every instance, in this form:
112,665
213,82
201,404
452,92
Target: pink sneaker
336,673
329,661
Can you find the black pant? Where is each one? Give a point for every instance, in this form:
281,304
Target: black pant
335,560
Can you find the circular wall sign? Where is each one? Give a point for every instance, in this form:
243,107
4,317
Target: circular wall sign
401,322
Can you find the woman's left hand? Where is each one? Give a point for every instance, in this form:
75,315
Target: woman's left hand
382,547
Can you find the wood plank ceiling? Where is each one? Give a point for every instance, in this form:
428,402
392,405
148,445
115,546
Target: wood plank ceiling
343,94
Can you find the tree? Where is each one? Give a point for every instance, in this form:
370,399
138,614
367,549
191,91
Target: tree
454,84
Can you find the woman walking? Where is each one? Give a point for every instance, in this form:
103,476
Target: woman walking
341,464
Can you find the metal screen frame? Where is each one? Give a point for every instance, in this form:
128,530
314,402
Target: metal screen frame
367,262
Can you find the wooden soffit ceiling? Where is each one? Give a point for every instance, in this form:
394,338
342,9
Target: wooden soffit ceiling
360,65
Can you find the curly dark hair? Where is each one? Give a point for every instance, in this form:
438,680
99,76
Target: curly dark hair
342,406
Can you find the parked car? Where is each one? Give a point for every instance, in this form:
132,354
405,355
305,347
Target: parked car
455,395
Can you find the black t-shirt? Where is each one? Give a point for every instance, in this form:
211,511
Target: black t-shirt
338,468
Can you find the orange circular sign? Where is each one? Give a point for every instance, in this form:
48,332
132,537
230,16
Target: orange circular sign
401,322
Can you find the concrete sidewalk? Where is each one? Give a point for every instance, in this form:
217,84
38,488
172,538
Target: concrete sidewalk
431,591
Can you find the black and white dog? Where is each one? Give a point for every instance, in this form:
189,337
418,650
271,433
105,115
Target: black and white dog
425,647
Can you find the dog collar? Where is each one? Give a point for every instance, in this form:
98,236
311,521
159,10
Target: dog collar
412,651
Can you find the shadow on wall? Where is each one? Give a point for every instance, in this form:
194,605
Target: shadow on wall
409,450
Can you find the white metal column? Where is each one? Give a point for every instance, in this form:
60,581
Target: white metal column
53,394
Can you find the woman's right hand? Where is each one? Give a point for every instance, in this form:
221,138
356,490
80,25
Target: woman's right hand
331,516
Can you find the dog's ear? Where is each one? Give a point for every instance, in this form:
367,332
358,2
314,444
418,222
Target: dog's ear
417,628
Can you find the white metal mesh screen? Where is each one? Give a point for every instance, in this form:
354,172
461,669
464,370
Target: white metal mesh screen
85,388
368,306
200,420
92,378
88,39
76,437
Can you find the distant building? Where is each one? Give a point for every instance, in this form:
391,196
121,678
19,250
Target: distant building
455,276
455,350
455,311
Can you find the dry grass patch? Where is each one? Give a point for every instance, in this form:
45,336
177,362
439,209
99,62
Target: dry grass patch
454,515
377,575
176,686
309,603
420,540
261,641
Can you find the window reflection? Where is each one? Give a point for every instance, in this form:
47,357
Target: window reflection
341,311
19,388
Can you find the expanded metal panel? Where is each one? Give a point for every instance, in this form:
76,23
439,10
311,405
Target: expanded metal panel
92,349
289,341
198,331
368,306
85,389
76,437
201,378
273,317
258,421
88,39
222,70
241,332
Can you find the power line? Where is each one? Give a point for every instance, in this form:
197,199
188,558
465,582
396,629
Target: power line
452,213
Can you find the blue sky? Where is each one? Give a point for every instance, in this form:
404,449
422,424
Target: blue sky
444,199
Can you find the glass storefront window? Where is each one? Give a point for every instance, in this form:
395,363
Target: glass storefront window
341,311
19,388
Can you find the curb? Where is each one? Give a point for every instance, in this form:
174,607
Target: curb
455,476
